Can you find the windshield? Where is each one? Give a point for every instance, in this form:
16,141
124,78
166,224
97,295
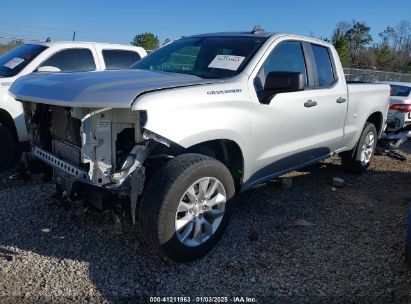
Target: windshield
18,58
400,91
206,57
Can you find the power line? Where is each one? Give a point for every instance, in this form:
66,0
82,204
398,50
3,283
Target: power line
34,26
49,31
21,38
74,36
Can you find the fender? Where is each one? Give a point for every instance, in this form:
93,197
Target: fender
14,109
193,115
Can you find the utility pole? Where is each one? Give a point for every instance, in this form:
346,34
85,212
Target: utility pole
74,35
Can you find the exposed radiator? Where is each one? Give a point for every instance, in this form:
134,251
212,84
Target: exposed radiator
67,151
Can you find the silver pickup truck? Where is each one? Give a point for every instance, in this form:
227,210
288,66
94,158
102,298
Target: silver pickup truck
195,122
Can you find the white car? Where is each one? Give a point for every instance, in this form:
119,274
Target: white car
50,57
399,113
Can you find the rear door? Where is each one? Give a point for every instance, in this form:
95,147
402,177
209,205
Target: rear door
331,96
295,128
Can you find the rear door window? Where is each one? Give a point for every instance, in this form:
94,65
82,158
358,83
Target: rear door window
72,60
119,59
325,71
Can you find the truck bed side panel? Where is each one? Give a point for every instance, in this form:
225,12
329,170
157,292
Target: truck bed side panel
363,101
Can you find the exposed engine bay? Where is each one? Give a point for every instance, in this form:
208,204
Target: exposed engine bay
92,148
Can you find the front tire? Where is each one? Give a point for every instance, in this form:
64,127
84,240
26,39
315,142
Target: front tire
186,206
359,159
7,148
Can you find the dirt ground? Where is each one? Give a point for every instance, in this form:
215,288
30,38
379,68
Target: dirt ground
307,243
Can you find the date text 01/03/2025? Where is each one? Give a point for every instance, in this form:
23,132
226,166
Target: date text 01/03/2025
238,299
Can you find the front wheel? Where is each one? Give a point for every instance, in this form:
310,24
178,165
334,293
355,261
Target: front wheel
359,159
186,206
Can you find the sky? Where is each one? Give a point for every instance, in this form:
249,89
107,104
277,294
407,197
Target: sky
119,21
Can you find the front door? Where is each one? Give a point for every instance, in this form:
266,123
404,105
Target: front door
291,129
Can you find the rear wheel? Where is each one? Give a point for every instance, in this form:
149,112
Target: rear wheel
359,159
186,206
7,148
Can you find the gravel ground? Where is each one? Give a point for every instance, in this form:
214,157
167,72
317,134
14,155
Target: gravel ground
308,243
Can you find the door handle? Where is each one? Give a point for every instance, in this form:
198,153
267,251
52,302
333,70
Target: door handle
341,100
310,103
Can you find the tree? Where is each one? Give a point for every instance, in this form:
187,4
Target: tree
340,43
388,35
385,59
402,46
358,39
167,41
408,68
148,41
4,48
343,27
391,53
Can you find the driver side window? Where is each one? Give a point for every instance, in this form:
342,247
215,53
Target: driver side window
286,57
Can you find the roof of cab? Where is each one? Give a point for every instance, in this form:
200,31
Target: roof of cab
236,34
260,33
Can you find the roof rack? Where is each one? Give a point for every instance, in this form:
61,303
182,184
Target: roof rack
257,29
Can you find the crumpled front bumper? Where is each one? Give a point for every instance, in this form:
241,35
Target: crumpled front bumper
61,165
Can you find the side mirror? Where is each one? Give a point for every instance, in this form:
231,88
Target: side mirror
282,82
48,68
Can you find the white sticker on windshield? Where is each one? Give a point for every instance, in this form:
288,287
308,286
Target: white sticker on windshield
227,62
13,63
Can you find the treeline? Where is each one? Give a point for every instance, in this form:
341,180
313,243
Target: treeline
358,49
4,48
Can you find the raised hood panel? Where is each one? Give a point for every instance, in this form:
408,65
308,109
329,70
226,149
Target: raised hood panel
103,89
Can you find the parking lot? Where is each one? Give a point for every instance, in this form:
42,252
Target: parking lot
309,242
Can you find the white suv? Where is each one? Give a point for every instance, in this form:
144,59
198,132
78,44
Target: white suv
50,57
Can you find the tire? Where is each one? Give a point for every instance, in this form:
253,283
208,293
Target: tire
359,159
7,148
164,195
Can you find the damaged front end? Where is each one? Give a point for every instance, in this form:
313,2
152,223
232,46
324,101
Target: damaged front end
97,155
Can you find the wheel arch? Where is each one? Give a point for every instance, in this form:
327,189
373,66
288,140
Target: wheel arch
226,151
376,119
7,121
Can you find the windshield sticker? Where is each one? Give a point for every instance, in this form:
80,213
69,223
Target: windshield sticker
227,62
13,63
